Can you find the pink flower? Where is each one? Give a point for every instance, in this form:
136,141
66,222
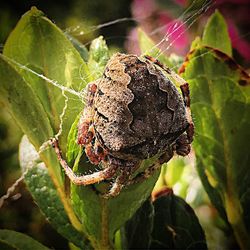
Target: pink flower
176,32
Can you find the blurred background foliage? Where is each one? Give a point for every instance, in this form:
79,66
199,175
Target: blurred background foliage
85,20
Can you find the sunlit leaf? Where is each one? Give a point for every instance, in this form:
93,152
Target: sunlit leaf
98,57
73,148
23,103
79,47
216,34
38,47
26,108
174,171
220,92
43,56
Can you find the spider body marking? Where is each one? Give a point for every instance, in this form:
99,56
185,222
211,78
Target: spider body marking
132,113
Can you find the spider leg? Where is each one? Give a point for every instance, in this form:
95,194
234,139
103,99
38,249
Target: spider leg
186,96
85,127
152,169
179,80
145,174
182,145
96,153
104,174
157,62
123,178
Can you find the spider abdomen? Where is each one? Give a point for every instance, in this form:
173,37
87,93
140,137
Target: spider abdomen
138,110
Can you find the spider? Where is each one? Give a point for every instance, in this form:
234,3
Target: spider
132,113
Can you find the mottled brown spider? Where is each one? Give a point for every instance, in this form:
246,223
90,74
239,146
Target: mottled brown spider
132,113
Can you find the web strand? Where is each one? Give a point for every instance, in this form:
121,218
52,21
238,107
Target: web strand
169,24
177,37
53,82
206,6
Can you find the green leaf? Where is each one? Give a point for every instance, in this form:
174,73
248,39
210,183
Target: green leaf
197,42
175,60
216,34
79,47
48,63
40,48
220,93
137,231
45,195
73,149
98,57
176,225
148,47
23,103
174,171
27,110
19,241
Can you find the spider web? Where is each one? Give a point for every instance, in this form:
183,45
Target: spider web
185,21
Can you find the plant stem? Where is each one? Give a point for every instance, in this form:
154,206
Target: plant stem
105,242
234,214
